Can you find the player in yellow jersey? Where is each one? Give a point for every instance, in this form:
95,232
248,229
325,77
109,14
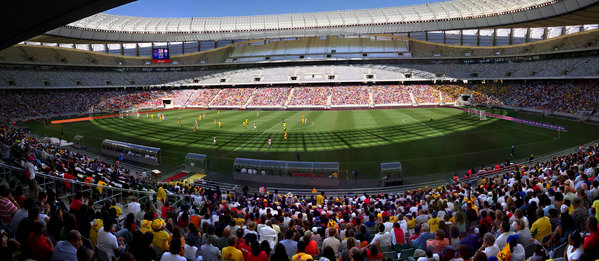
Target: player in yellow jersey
179,123
218,112
219,124
243,123
285,135
284,125
214,121
302,120
246,120
152,116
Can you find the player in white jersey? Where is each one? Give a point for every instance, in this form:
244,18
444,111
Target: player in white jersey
214,140
269,143
255,127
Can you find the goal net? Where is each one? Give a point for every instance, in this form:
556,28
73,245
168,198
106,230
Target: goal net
475,113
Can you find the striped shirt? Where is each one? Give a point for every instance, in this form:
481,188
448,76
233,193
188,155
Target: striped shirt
7,209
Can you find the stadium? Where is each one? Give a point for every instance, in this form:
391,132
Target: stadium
450,130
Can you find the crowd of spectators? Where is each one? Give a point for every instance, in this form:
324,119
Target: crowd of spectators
391,94
569,97
548,208
350,95
270,96
233,97
310,96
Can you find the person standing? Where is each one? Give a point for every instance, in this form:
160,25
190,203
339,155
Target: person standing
355,173
30,176
513,150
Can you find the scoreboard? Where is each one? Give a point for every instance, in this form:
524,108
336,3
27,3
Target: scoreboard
160,55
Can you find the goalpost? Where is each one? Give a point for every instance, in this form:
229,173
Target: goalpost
475,113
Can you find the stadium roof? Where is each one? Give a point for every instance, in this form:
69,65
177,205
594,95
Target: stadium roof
24,19
449,15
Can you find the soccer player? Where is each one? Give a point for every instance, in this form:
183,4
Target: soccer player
303,120
204,115
214,140
284,125
138,115
255,127
196,122
214,121
257,113
269,143
218,113
179,123
200,117
243,123
219,124
164,117
285,135
194,128
246,119
152,116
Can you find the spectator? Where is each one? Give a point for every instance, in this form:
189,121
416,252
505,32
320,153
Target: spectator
67,250
173,254
38,244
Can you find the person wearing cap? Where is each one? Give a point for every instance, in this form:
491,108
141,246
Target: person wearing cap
516,249
161,237
565,226
30,176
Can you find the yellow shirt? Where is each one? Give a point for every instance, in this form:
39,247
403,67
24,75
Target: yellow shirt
433,224
101,183
239,221
232,254
161,239
596,207
411,223
119,212
319,200
542,227
146,225
93,232
161,194
301,257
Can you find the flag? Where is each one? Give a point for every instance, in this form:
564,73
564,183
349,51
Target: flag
505,254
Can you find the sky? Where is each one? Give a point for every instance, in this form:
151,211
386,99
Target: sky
216,8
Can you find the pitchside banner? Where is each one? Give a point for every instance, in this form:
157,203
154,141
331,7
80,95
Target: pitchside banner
527,122
160,55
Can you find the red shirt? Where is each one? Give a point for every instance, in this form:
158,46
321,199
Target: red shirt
312,248
379,256
39,247
591,243
165,211
261,257
68,183
76,204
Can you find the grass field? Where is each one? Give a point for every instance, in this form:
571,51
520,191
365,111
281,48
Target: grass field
360,139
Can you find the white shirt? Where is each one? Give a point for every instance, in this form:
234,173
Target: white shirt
31,168
574,254
134,207
518,253
191,252
384,239
269,234
167,256
491,250
107,243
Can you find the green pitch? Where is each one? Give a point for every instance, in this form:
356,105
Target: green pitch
424,140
